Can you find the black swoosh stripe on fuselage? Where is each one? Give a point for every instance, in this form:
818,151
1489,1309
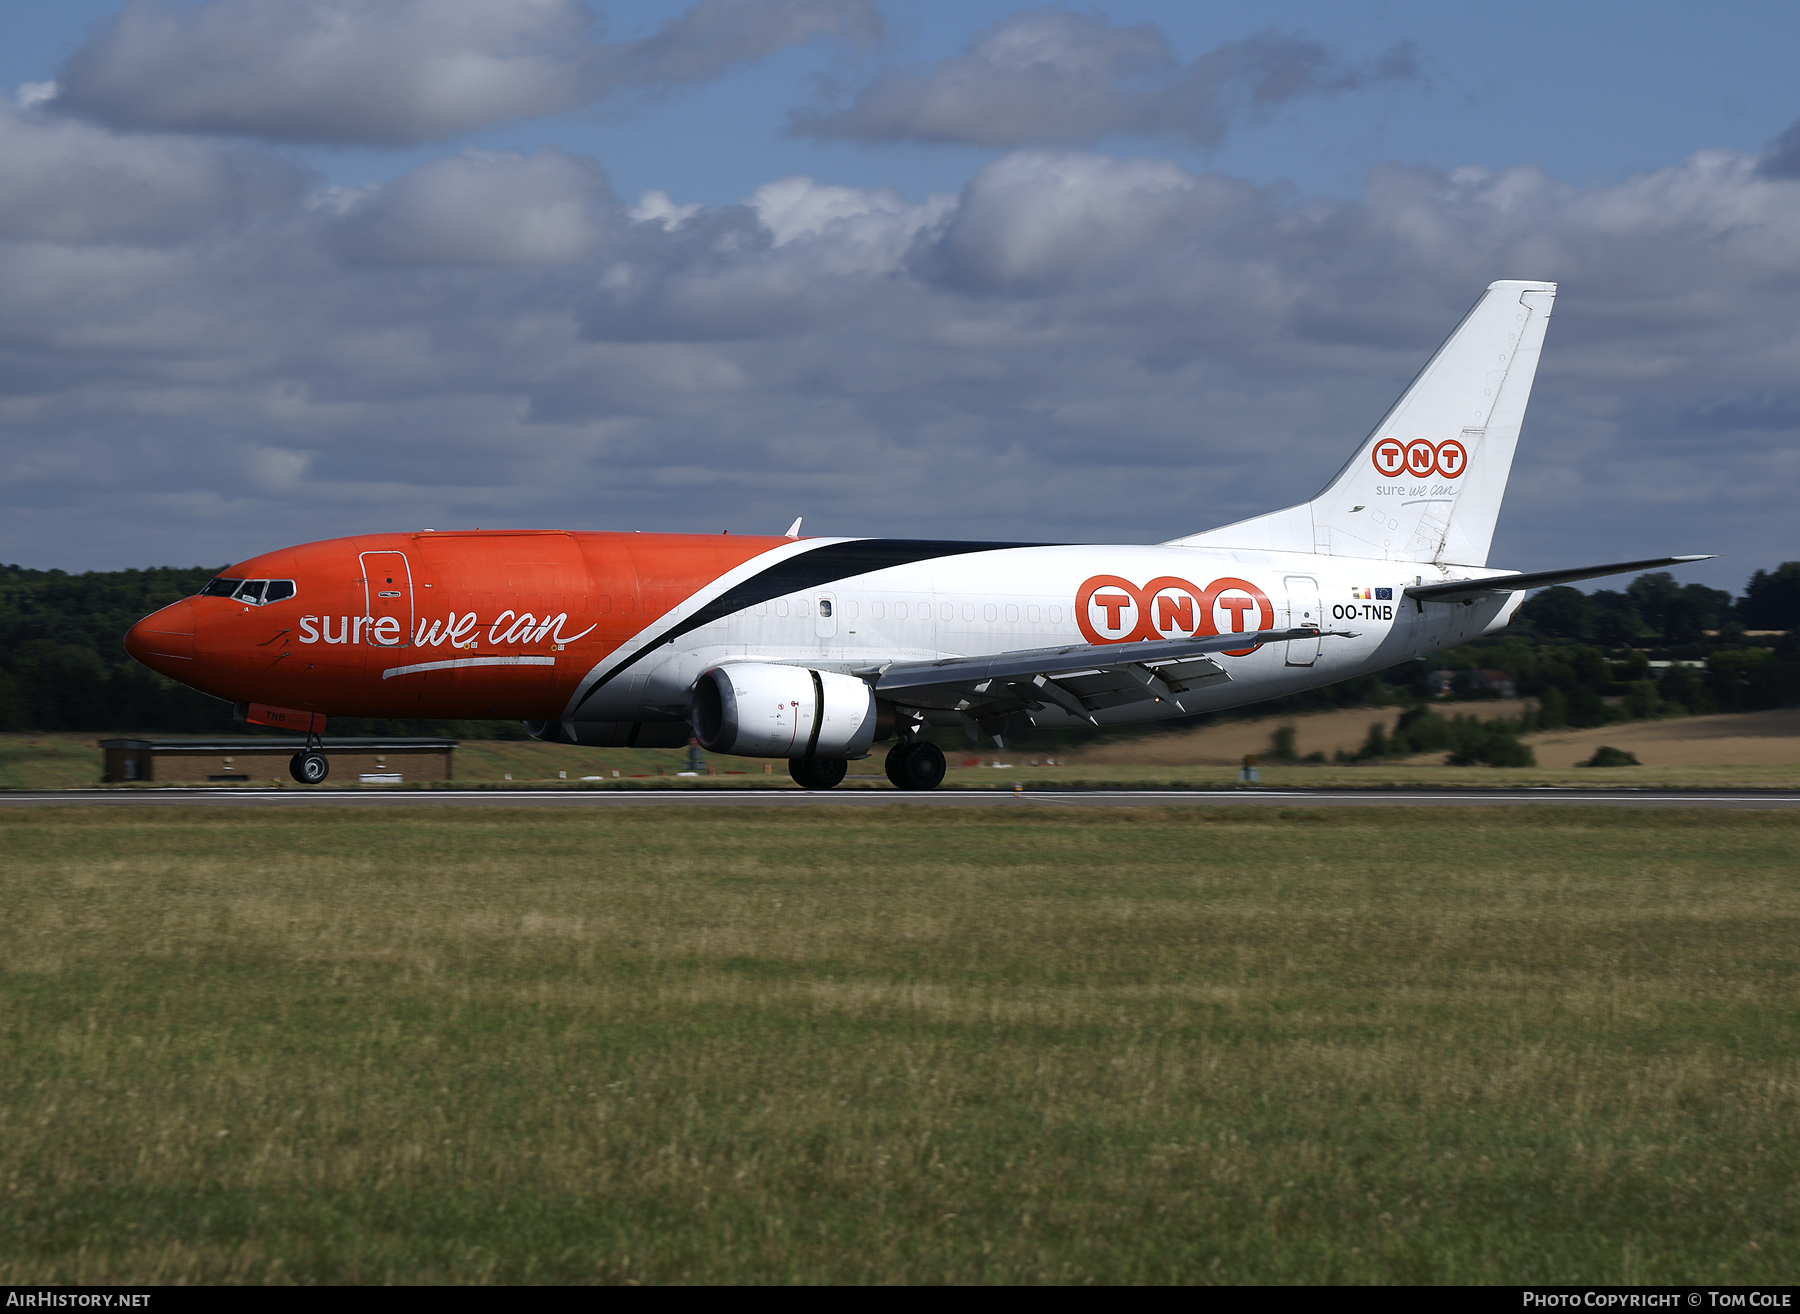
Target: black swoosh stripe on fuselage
823,565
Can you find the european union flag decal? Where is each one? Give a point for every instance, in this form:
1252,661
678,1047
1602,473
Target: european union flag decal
1384,595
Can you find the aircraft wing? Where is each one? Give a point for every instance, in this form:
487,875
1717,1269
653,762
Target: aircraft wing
1081,679
1467,590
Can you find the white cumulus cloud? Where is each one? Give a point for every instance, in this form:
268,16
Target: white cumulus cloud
484,208
400,72
1057,76
70,182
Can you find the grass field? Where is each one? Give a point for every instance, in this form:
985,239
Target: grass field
1755,740
900,1044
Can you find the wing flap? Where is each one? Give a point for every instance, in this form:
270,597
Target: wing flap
1082,679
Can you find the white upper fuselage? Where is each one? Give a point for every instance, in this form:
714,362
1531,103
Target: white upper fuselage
1008,599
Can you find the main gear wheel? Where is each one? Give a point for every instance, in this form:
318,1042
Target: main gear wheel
917,764
818,772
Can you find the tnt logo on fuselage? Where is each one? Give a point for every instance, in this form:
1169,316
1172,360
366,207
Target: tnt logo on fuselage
1109,609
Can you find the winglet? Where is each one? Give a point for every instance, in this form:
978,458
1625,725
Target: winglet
794,529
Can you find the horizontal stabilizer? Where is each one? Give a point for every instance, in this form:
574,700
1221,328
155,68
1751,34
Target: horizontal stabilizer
1469,589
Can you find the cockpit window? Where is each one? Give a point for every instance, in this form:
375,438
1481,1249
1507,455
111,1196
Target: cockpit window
252,592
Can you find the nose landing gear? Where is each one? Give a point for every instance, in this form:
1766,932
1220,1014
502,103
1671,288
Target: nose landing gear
310,766
916,764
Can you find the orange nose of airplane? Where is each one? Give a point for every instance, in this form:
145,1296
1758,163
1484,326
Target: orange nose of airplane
164,640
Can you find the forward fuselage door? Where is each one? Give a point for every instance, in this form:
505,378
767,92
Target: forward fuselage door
1303,613
387,599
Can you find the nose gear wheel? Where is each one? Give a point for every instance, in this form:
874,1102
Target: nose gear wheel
309,766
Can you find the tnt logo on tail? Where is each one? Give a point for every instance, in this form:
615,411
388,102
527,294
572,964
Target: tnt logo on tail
1420,458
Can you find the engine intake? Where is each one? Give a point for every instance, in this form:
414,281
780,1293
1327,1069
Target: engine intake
759,709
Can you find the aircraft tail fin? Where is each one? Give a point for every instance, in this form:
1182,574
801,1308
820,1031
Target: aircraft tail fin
1427,482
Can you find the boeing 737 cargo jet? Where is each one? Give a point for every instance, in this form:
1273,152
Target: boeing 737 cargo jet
814,649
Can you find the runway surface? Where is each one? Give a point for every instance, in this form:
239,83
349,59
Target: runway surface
791,798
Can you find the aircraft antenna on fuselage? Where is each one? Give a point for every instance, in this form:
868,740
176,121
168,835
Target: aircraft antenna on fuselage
793,530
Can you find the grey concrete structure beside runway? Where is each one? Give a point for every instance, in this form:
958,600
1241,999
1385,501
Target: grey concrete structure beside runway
955,798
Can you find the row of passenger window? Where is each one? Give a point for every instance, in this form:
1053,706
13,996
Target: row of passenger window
920,609
255,592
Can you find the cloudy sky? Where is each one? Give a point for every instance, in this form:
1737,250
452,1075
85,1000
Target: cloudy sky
277,270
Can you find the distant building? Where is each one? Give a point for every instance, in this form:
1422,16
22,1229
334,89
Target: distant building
1446,684
250,760
1499,681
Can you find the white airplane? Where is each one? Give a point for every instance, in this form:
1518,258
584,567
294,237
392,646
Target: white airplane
814,649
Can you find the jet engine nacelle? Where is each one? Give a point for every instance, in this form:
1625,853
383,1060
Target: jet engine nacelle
758,709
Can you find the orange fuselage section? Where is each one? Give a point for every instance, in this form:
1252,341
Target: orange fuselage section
481,624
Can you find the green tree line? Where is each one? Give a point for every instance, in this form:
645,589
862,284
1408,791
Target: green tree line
1659,611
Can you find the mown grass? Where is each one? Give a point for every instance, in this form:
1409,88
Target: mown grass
50,761
1434,1045
1374,775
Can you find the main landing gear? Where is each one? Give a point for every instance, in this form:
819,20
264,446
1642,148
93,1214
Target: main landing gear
310,766
916,764
817,772
911,764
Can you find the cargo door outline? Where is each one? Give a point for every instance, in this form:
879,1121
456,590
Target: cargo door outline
1303,614
388,591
